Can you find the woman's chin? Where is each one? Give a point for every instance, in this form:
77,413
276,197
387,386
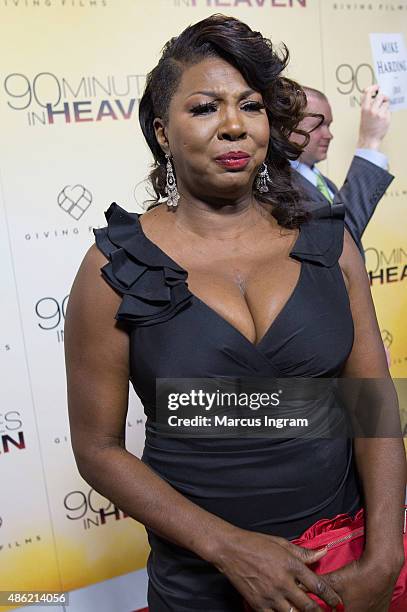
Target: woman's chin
234,180
232,189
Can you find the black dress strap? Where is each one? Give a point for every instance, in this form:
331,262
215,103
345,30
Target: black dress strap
321,237
153,287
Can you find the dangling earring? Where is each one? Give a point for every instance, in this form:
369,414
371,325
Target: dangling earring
263,179
171,185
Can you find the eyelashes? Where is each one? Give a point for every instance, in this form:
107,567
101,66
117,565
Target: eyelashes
211,107
201,109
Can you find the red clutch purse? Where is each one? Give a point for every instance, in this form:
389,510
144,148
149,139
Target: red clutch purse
344,536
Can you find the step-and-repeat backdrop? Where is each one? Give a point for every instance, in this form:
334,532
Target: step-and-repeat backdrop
72,73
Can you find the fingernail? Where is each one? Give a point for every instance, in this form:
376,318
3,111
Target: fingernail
340,607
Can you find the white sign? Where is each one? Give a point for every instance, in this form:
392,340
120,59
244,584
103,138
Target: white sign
390,66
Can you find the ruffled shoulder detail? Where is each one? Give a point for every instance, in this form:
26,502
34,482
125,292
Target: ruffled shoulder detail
321,237
153,286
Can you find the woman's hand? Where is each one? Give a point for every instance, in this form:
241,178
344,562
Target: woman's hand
268,570
365,585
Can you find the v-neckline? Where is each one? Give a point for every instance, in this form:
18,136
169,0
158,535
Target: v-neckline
254,345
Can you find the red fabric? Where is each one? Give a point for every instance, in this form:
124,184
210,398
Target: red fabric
341,553
328,531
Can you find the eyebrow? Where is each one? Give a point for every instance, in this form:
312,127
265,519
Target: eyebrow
213,94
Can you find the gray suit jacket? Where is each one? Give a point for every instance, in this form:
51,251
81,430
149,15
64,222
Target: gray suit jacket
361,192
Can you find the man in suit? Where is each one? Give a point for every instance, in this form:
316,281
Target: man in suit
367,177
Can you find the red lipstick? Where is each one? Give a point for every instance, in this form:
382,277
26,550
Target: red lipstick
233,159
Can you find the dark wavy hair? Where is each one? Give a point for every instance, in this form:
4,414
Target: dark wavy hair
261,67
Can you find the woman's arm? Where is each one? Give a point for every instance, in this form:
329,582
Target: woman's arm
263,568
97,365
380,461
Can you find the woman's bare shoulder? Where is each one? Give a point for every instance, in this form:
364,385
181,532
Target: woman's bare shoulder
158,218
351,261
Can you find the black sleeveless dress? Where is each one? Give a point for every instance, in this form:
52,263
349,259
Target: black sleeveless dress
273,486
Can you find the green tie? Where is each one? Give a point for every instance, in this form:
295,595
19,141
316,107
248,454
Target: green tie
323,188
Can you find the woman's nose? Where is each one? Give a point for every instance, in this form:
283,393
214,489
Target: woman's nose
232,126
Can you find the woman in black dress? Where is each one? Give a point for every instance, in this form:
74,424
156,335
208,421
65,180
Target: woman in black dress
229,278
